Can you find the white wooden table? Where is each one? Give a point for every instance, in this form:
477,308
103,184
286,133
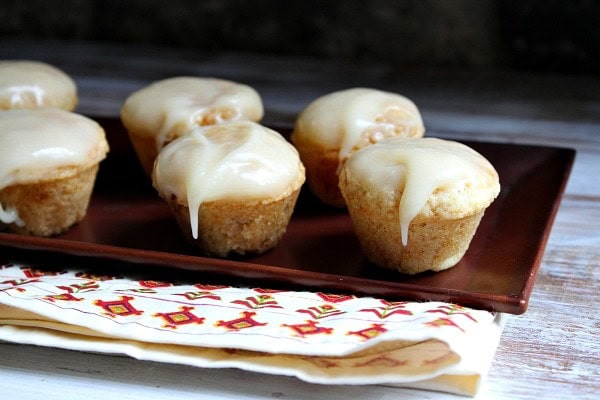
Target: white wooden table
550,352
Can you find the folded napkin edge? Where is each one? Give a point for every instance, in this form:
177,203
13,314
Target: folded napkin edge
443,380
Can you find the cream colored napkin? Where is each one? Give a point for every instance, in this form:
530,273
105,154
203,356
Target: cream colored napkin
317,337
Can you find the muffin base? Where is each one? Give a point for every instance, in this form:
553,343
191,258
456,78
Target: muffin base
51,207
237,227
434,243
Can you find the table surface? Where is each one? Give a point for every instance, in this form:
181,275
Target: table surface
552,351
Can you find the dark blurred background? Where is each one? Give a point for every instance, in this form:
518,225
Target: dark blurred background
536,35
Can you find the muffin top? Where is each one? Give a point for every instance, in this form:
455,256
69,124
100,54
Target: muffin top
235,161
353,118
32,84
47,143
168,108
428,176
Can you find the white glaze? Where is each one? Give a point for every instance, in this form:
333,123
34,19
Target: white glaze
417,167
231,161
337,120
31,84
33,143
183,102
10,216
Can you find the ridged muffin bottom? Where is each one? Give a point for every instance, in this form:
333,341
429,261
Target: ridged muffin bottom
50,207
434,243
237,227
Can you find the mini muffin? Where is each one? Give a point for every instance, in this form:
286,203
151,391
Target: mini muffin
33,84
48,165
232,187
330,128
159,113
416,203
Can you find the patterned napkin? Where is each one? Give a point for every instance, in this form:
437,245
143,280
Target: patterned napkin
317,337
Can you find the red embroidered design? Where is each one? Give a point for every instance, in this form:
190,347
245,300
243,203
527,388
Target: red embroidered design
199,295
441,322
16,284
210,287
84,287
120,308
390,309
246,321
62,297
138,290
267,291
260,301
369,333
335,298
382,361
324,311
70,290
453,309
182,317
92,277
35,273
322,362
309,328
436,360
154,284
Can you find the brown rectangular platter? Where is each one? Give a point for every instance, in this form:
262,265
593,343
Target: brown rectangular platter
128,223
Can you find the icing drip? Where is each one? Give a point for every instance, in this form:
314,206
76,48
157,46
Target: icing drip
235,161
10,216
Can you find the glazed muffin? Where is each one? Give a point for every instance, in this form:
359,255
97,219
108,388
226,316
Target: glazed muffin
32,84
232,187
333,126
164,110
48,165
416,203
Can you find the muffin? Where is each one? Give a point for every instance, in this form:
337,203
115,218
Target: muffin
416,203
232,187
330,128
48,165
159,113
33,84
